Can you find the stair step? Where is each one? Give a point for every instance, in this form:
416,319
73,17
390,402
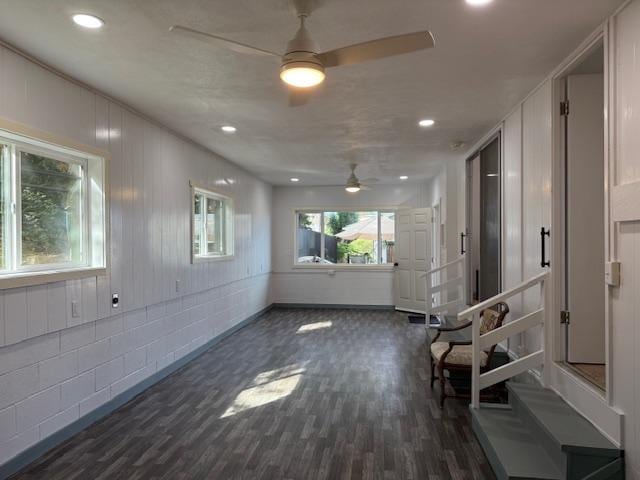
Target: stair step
514,453
565,427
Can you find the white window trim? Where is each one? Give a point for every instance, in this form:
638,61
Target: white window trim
197,188
34,139
381,267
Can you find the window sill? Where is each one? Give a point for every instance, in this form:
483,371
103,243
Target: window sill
212,258
344,267
29,279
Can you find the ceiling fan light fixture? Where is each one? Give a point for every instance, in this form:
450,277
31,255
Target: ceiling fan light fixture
352,189
302,74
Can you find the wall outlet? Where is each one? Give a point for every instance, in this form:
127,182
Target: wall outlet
177,285
75,309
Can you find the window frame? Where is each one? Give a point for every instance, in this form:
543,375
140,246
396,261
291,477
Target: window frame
95,238
228,230
339,266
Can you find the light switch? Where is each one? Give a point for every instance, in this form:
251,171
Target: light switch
612,274
75,310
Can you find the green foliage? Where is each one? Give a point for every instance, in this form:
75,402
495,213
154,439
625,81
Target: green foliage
304,221
51,207
338,221
355,247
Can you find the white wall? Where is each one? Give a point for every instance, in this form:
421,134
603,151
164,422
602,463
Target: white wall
308,286
528,151
55,368
625,301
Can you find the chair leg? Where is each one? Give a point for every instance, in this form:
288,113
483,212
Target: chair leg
443,393
433,371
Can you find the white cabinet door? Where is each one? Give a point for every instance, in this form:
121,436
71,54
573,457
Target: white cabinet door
536,198
413,234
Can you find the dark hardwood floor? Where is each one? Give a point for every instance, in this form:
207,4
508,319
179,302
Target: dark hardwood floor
299,394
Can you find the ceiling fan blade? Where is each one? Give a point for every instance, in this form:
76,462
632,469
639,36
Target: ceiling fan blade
370,180
364,187
376,49
222,42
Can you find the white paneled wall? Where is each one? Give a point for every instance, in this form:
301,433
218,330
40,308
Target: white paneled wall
536,194
54,367
307,286
625,301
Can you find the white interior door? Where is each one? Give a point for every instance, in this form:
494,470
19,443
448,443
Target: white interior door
585,230
413,258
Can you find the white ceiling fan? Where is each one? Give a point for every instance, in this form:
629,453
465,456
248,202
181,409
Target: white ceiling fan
302,66
354,185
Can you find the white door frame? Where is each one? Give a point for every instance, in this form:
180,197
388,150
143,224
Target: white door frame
558,199
587,399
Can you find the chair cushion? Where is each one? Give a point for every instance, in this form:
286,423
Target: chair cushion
460,355
489,321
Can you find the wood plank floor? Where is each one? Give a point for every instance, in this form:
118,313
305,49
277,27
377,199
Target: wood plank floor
299,394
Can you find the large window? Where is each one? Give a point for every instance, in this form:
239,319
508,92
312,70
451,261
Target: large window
345,237
212,225
51,208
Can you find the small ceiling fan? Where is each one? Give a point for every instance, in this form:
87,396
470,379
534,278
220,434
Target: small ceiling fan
302,66
354,185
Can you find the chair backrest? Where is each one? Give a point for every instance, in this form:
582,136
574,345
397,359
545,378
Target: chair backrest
492,318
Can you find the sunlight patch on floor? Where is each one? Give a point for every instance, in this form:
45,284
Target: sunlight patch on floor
267,387
310,327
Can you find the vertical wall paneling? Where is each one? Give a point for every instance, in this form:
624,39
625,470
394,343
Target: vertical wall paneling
512,210
536,201
90,353
625,302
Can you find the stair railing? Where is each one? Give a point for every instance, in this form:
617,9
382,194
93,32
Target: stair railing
446,285
482,342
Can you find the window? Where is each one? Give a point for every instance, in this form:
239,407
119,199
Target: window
212,228
345,237
52,208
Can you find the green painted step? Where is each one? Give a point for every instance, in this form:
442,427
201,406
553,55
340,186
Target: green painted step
512,450
569,430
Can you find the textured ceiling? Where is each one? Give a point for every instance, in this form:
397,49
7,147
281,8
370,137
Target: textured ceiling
485,61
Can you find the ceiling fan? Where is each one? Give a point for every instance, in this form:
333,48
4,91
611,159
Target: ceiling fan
302,66
354,185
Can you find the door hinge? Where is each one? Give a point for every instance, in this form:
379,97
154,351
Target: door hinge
564,108
565,317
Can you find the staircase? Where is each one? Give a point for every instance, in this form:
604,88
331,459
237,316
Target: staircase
539,436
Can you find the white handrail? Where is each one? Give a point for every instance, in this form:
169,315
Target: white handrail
443,267
431,290
522,324
501,297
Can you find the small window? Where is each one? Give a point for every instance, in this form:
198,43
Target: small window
52,208
345,237
212,228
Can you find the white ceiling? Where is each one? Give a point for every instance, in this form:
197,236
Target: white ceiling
485,61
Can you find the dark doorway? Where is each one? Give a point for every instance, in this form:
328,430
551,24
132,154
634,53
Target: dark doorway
484,244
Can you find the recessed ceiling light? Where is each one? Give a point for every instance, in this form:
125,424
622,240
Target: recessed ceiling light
295,180
479,3
87,21
404,177
228,129
427,122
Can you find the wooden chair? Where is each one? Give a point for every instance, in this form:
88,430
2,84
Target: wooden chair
457,355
